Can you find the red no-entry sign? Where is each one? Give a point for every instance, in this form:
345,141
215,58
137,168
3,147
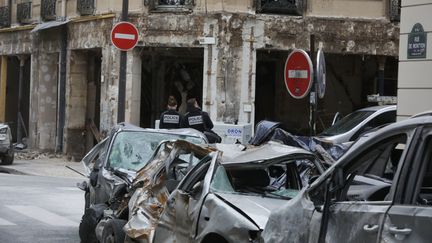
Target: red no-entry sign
124,36
298,74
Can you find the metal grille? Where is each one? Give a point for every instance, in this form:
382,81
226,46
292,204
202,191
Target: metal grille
280,6
24,10
86,7
394,10
5,16
171,4
48,9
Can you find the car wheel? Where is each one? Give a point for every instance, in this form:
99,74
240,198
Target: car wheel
89,220
86,200
113,231
7,159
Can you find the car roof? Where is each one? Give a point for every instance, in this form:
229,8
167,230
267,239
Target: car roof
237,154
379,107
424,113
370,137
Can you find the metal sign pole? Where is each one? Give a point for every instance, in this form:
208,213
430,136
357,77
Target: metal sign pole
313,96
122,74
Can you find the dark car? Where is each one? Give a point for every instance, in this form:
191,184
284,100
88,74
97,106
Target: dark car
378,191
112,164
6,145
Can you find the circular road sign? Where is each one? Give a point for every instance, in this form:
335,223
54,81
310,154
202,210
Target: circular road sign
298,74
124,36
321,74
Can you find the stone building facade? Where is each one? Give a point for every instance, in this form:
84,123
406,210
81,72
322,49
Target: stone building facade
415,59
228,53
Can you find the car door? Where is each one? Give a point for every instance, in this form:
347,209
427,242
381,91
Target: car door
178,222
410,219
357,208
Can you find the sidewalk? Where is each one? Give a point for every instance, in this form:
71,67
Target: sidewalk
44,167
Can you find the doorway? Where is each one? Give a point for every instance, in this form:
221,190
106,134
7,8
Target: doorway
18,111
165,72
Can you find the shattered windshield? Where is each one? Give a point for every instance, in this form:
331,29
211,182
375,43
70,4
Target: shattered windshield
282,180
131,150
347,123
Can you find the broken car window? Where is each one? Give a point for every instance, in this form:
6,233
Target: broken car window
131,150
281,180
371,176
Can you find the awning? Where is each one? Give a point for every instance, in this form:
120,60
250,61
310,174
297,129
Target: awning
48,25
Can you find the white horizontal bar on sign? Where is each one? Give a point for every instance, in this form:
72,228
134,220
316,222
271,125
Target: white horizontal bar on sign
124,36
297,73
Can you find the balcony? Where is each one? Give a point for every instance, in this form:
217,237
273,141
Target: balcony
293,7
394,10
24,9
5,16
170,5
48,10
86,7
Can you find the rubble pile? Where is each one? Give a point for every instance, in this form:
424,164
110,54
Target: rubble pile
33,154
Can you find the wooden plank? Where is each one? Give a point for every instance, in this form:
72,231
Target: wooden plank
3,81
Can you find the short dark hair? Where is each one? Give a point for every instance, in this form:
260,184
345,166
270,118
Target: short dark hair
172,101
191,103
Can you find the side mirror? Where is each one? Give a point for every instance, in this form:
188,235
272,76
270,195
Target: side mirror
197,188
338,180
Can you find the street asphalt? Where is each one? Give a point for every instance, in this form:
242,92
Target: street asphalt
39,209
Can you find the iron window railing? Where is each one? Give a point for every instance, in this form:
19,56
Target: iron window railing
5,16
86,7
294,7
48,10
24,9
170,5
394,10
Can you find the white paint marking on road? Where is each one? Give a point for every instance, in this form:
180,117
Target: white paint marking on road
124,36
4,222
69,188
43,215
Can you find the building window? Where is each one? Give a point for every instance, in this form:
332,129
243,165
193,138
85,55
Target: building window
294,7
24,9
170,5
5,14
394,10
86,7
48,10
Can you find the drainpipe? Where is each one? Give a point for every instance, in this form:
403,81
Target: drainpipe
62,82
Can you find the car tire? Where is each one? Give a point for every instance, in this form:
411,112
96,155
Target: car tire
113,231
86,200
8,158
89,220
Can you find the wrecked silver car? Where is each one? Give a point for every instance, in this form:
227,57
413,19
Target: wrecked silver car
379,191
113,163
226,195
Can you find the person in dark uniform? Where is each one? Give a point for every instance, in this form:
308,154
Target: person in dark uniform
200,120
170,118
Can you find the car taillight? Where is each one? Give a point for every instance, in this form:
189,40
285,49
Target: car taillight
3,130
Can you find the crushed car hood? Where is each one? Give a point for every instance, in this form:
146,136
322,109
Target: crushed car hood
255,207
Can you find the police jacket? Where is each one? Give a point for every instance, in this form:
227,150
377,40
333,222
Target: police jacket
170,119
197,119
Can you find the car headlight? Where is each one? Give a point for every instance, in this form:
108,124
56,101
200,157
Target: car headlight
3,130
